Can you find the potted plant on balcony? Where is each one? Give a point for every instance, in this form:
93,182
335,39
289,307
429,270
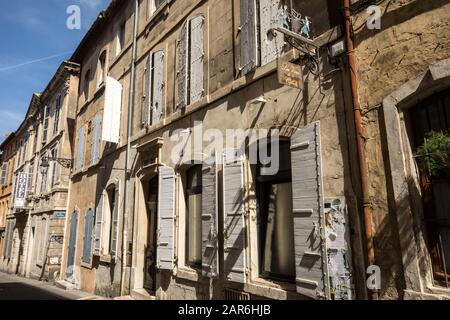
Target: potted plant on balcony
434,155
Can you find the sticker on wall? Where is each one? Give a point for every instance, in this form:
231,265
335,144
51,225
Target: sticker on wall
338,249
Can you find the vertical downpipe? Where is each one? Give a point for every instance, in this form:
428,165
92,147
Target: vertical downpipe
128,150
363,167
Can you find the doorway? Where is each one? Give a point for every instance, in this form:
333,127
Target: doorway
72,246
151,205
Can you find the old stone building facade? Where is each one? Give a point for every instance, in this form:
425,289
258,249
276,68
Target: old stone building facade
171,111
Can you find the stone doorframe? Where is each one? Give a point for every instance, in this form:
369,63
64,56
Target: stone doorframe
401,167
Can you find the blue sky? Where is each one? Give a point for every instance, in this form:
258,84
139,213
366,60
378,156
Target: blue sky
35,40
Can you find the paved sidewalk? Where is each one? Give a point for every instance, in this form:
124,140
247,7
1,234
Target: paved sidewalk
13,287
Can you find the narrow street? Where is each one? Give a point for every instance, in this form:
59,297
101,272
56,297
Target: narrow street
16,288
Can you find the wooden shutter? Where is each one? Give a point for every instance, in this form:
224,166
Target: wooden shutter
4,174
309,225
271,46
9,239
115,221
95,143
183,72
249,48
112,111
210,244
197,55
87,240
234,228
99,227
158,87
148,78
80,154
166,208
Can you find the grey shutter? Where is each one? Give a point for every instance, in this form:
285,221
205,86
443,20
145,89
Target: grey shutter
249,54
271,46
210,244
183,72
234,225
87,240
158,87
99,227
197,59
309,225
166,208
95,152
9,239
148,78
4,174
115,221
80,153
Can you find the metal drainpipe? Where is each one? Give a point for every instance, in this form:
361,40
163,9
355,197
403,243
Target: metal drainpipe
363,168
128,152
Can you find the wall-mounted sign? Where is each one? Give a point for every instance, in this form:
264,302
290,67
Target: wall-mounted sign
290,74
21,191
60,214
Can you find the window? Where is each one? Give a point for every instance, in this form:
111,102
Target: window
191,54
54,166
96,136
30,178
107,224
43,180
35,137
45,124
276,231
87,240
101,69
86,80
194,216
57,115
120,42
153,98
80,154
154,5
4,176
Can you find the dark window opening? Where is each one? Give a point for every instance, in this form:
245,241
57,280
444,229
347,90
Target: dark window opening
194,216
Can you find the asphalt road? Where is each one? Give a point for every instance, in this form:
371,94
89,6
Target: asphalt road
17,288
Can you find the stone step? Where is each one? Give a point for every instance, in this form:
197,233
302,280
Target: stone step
142,294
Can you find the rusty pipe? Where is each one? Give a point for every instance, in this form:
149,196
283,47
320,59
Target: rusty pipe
360,140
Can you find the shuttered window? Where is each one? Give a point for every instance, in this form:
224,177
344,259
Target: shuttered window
45,124
191,54
112,111
57,114
80,152
115,222
210,244
96,139
87,240
308,205
4,177
270,12
99,220
153,97
166,228
194,216
233,200
248,39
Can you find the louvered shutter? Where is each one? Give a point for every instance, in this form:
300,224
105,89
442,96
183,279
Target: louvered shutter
4,174
309,234
87,240
115,222
210,244
112,111
183,72
197,59
99,227
80,154
158,87
271,43
148,78
95,143
166,208
234,225
249,49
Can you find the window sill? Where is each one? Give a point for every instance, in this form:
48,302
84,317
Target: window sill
86,265
156,14
106,259
269,289
187,273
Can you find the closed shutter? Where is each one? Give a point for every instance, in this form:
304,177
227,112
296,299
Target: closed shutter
158,87
95,151
271,43
309,234
4,174
183,72
87,241
197,55
80,154
166,208
234,228
99,227
112,111
115,222
249,49
148,78
9,239
210,244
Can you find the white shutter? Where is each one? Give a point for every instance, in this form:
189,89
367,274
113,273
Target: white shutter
210,244
248,41
308,212
115,222
271,46
183,72
98,248
166,208
112,111
197,59
158,87
148,78
234,228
